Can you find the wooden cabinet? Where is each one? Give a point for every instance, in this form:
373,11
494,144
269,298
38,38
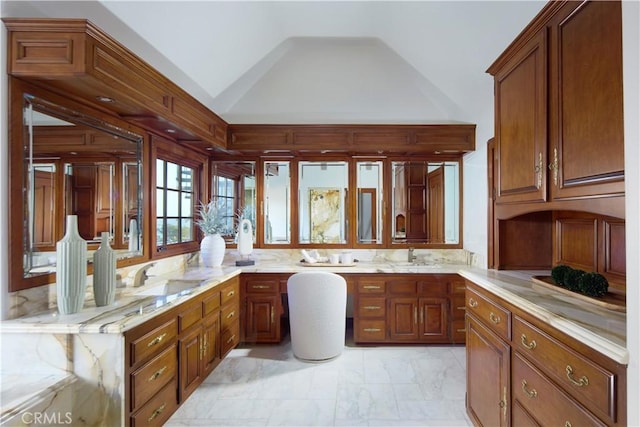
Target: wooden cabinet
522,371
558,107
407,308
262,306
229,316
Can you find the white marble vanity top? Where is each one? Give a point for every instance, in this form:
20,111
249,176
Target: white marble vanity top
601,329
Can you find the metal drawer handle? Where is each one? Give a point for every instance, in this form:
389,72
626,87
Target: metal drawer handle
231,293
461,330
531,345
157,374
495,319
156,340
531,393
567,424
231,338
473,303
230,315
583,381
260,286
371,287
372,307
372,329
156,413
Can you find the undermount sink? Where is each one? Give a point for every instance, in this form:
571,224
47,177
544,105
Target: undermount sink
414,267
172,287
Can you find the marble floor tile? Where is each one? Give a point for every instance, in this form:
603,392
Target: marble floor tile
265,385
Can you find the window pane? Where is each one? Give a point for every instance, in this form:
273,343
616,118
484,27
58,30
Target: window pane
187,230
173,231
159,173
173,203
173,177
160,203
187,179
160,232
186,204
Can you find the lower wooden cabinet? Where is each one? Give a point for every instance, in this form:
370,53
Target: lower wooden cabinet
523,372
262,307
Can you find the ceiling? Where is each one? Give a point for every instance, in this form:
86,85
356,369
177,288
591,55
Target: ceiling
315,61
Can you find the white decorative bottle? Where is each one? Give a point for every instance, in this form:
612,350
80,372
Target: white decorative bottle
212,249
104,273
71,269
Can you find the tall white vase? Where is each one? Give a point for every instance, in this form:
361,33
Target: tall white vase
212,249
104,273
71,269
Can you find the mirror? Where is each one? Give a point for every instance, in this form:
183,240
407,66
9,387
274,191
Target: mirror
235,183
322,201
425,202
77,165
277,202
369,203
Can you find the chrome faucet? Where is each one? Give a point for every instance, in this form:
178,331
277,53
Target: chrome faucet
411,257
141,275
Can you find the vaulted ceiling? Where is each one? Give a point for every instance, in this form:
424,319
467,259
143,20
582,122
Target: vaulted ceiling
315,61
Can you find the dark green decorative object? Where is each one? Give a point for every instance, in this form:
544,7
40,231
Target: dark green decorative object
572,280
593,284
558,274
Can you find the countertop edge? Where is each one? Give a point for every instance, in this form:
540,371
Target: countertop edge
595,341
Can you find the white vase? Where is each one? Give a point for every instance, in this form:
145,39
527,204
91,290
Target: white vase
134,239
71,269
212,249
104,273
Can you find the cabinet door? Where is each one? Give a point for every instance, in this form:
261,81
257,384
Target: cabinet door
434,320
190,356
587,141
262,322
521,125
211,343
403,319
488,370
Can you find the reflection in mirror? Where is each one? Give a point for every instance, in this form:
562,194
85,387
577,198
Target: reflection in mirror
234,183
369,203
77,165
322,201
426,205
277,202
175,203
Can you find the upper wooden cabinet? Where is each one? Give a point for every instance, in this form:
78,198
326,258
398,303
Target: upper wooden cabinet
558,106
77,59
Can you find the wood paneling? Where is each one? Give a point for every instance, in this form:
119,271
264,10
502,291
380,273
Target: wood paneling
524,242
576,243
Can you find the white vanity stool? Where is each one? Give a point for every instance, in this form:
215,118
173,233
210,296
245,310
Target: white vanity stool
317,314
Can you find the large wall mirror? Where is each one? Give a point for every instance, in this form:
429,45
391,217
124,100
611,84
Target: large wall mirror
425,202
75,164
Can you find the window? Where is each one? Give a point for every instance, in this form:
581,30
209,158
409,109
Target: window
224,191
175,196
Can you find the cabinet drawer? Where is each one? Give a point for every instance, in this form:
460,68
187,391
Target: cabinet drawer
370,330
229,316
262,286
371,307
371,286
402,286
146,381
229,293
158,410
189,316
431,288
230,338
542,398
494,316
210,304
153,341
588,382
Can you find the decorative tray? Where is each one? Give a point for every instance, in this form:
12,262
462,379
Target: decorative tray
610,300
325,264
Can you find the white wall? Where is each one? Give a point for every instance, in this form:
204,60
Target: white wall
631,73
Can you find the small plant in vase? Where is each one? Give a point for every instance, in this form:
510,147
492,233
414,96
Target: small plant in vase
212,222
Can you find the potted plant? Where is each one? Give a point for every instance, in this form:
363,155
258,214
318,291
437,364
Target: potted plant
212,223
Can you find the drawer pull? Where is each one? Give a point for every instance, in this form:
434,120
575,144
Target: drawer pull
156,413
372,307
495,319
372,329
260,286
156,340
583,381
531,393
461,330
461,308
531,345
231,338
371,286
231,293
230,315
567,424
157,374
473,303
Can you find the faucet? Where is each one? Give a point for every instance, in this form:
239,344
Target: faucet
411,256
141,275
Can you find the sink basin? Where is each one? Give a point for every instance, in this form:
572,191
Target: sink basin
172,287
420,268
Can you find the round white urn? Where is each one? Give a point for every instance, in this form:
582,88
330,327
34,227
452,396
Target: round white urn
212,249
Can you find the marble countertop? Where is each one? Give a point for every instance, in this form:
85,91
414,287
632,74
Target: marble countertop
601,329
